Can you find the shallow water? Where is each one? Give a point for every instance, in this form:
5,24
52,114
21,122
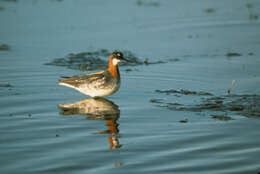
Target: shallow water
38,137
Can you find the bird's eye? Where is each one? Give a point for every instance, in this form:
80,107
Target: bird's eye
118,54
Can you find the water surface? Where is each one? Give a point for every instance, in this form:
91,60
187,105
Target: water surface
127,133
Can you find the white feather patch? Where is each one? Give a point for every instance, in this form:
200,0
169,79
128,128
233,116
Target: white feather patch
116,61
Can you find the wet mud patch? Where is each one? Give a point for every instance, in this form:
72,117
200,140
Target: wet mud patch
93,60
218,107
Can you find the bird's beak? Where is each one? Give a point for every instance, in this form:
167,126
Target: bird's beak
124,59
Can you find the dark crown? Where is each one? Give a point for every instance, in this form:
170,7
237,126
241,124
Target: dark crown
117,54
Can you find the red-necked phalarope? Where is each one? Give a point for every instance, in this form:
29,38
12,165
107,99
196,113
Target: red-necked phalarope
98,84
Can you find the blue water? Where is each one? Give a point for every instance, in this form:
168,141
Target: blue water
143,138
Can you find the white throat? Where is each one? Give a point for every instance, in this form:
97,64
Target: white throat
116,61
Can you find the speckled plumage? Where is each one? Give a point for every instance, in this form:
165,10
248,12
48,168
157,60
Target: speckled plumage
98,84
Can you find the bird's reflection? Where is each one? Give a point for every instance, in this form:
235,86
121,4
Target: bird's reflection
97,109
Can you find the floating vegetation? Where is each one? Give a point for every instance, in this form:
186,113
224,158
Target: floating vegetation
154,100
4,47
93,60
5,85
1,8
232,54
209,10
251,14
228,54
184,121
6,89
246,105
184,92
10,0
249,5
222,117
148,3
147,62
173,59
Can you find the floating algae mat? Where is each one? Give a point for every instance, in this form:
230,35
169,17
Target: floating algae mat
4,47
93,60
182,91
245,105
5,85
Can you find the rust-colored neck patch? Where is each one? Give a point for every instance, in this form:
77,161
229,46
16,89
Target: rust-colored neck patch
113,69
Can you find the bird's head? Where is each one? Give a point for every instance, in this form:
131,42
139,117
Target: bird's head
116,57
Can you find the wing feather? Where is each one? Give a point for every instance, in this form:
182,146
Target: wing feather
77,81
